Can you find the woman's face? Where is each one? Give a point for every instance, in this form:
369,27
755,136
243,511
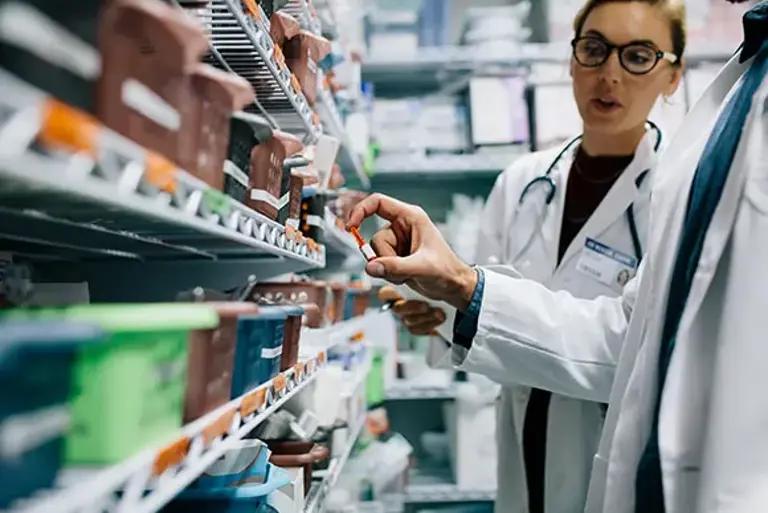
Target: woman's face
609,98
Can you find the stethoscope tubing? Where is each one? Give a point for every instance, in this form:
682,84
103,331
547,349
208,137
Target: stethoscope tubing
547,179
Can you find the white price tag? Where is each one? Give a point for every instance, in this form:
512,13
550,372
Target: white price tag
606,264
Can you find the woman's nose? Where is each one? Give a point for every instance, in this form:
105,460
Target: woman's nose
611,69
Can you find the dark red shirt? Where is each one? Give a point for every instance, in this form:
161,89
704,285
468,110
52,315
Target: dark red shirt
589,181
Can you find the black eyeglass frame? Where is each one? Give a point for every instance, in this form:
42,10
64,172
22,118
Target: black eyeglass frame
610,47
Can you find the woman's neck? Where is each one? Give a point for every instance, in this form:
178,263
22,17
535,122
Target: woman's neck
598,144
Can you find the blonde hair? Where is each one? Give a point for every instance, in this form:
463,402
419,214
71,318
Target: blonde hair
673,9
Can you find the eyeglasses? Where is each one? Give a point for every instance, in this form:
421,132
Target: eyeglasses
636,58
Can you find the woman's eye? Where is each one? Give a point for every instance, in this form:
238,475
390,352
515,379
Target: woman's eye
594,49
638,56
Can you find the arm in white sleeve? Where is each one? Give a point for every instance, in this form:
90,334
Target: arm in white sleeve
529,335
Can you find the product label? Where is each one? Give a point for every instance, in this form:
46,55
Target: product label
262,195
231,169
268,353
284,200
315,221
149,104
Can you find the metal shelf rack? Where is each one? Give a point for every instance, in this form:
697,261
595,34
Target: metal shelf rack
149,480
406,392
115,202
300,10
240,37
319,491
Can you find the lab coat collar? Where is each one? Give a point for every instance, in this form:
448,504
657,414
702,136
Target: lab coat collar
755,31
623,193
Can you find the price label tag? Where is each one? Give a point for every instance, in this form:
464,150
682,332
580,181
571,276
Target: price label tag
69,128
218,427
279,383
170,456
160,172
253,401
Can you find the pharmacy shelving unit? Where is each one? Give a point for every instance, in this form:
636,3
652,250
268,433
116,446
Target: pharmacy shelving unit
149,480
431,181
80,203
122,213
431,488
404,391
440,494
319,491
443,167
426,71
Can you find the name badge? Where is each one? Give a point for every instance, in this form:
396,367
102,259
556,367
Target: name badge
606,264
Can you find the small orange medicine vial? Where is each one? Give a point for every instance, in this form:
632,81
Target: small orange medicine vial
365,248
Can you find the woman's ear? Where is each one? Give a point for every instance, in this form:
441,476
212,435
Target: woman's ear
674,83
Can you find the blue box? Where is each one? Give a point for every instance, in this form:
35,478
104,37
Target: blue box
248,498
35,367
259,349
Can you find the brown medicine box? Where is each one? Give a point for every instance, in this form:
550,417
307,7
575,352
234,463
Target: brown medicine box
302,54
145,92
211,360
218,95
267,171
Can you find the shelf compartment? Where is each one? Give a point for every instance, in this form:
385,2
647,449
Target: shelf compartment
115,202
149,480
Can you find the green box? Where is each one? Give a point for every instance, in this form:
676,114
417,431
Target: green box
128,393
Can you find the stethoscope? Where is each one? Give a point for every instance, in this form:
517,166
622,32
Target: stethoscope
549,182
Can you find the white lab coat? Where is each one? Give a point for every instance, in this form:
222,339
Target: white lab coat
714,415
527,236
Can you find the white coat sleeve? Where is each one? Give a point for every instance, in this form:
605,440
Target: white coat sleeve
526,336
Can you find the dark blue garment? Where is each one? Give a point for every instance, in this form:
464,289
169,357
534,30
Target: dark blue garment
465,324
704,196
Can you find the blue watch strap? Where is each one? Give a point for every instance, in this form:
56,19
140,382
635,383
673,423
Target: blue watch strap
465,324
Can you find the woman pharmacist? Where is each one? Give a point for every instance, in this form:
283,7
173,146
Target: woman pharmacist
680,355
553,214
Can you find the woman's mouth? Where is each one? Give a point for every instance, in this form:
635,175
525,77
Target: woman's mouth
605,105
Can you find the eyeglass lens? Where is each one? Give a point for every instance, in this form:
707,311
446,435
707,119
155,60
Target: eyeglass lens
635,58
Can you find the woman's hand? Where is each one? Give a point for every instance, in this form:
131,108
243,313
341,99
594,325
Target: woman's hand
411,250
418,316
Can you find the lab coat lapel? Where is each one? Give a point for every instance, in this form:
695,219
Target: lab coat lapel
623,193
681,160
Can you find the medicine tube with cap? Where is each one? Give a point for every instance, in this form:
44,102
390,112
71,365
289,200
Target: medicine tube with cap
365,248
